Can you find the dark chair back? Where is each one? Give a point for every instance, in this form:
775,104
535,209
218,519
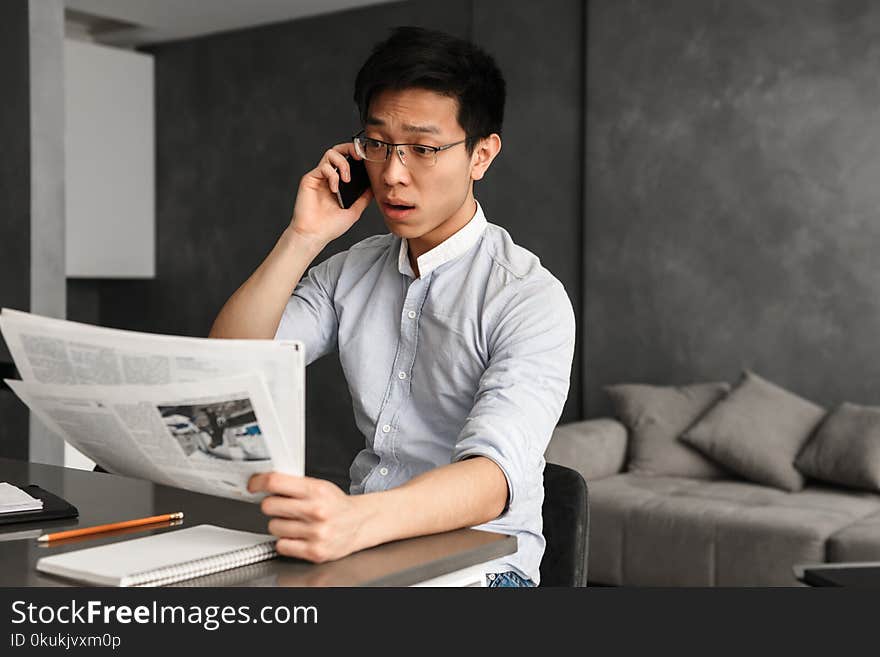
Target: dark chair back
566,527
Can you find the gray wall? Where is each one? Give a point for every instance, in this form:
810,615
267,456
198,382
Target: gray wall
48,284
241,117
534,188
733,159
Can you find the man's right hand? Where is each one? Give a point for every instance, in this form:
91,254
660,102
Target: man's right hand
317,216
255,309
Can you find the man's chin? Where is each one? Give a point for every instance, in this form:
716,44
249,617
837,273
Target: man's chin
406,230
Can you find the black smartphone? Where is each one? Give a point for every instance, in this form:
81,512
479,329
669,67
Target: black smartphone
351,191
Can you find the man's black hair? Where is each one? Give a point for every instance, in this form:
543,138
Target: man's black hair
413,57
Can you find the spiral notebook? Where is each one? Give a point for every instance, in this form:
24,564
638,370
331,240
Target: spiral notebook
160,559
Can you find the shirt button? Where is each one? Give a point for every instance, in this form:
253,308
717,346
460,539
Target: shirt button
383,471
492,576
401,375
386,428
411,314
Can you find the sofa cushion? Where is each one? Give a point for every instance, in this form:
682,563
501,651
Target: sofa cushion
672,531
617,497
595,448
859,541
846,448
757,432
759,546
656,416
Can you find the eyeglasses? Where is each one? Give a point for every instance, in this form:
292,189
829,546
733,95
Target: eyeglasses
413,156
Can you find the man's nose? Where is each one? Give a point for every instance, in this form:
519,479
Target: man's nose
395,173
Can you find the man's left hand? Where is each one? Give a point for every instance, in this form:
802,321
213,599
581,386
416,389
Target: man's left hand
312,518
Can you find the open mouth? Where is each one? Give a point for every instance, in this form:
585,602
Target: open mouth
397,210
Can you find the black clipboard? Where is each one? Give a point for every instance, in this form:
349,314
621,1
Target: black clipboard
54,507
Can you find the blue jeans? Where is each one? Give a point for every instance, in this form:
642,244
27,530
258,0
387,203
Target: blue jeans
508,579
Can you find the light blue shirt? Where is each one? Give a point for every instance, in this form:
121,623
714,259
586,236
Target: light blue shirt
472,358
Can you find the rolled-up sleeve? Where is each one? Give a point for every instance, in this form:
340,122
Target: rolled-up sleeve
310,314
522,391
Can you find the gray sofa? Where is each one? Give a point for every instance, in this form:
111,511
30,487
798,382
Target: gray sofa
650,530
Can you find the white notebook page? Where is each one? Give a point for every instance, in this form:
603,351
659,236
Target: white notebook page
112,565
13,498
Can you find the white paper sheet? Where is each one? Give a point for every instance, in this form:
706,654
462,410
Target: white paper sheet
197,413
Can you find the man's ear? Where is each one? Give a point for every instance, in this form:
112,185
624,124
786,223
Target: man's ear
485,151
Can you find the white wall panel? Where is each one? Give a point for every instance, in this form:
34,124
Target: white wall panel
110,162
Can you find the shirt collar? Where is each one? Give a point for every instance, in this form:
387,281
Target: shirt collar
451,248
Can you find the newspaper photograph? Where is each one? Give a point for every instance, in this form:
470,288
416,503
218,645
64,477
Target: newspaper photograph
49,350
219,430
208,437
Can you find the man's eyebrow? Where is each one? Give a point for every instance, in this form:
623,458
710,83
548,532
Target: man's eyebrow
426,129
407,127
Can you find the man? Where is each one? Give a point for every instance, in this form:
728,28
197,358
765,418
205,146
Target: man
456,343
216,428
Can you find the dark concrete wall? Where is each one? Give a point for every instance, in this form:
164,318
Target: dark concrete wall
15,190
534,188
15,200
241,116
732,194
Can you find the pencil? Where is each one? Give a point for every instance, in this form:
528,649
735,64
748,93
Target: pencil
106,528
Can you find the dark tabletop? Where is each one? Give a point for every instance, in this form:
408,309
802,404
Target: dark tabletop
857,576
105,498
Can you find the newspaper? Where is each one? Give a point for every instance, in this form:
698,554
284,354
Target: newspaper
195,413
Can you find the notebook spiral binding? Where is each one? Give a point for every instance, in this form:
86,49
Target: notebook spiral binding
199,567
252,575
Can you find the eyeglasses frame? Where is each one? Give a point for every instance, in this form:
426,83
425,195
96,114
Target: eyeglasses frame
389,146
